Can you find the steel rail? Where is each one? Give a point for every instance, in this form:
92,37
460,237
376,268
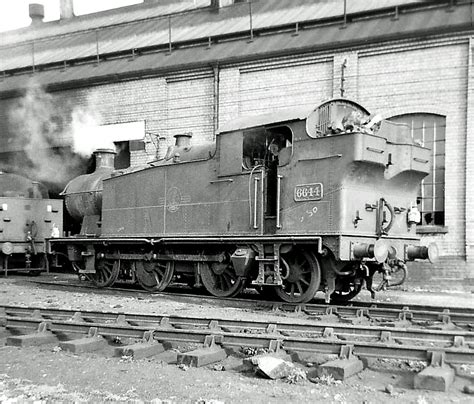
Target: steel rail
458,311
328,338
383,312
461,316
373,349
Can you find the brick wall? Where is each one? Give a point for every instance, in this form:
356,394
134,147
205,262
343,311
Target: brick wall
270,86
190,107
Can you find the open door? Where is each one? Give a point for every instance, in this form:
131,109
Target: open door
264,151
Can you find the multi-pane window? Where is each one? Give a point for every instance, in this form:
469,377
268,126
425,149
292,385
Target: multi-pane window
429,130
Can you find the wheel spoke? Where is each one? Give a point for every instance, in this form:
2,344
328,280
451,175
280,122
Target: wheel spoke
154,276
106,273
217,282
220,280
300,289
230,277
227,280
292,289
303,278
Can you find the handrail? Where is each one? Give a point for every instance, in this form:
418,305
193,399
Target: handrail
278,202
255,198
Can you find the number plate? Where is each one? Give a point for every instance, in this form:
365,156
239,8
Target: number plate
308,192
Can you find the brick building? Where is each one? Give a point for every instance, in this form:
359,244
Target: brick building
153,70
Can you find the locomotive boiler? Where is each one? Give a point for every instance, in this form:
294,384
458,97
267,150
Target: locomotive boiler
27,218
290,203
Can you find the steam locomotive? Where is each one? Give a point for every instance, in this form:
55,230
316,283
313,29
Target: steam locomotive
27,217
289,203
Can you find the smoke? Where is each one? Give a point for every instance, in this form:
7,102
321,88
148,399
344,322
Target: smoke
86,131
44,127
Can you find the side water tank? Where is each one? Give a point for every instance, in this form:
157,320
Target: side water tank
83,194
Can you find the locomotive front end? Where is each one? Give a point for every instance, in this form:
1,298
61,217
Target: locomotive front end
83,194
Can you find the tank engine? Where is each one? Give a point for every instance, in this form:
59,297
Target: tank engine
27,217
290,203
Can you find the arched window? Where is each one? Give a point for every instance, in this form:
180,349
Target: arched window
430,131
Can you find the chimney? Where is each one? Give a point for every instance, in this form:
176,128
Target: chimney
36,12
104,158
66,9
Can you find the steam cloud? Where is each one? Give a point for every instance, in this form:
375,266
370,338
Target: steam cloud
40,126
86,132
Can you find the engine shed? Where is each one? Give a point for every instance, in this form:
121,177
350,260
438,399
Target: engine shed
175,67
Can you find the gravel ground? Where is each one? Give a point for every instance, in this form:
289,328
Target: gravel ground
48,374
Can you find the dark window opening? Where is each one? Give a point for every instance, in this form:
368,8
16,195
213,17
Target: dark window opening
122,158
266,147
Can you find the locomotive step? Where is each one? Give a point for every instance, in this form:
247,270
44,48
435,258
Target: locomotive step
273,259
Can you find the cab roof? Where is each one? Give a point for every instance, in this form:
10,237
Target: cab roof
280,116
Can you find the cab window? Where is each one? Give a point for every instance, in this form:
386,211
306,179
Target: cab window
266,146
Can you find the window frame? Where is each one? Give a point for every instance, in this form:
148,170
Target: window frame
432,181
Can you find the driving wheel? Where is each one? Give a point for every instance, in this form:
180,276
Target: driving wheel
154,276
301,276
220,279
106,273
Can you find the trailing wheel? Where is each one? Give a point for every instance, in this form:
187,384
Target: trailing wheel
154,276
106,273
301,275
220,279
346,290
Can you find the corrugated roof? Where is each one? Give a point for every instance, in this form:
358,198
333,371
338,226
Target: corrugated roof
427,22
124,30
100,20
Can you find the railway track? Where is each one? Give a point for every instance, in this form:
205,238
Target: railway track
455,347
377,312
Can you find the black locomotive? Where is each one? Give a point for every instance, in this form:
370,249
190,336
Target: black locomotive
27,217
290,203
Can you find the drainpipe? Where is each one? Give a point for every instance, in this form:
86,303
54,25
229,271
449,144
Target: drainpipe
216,70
